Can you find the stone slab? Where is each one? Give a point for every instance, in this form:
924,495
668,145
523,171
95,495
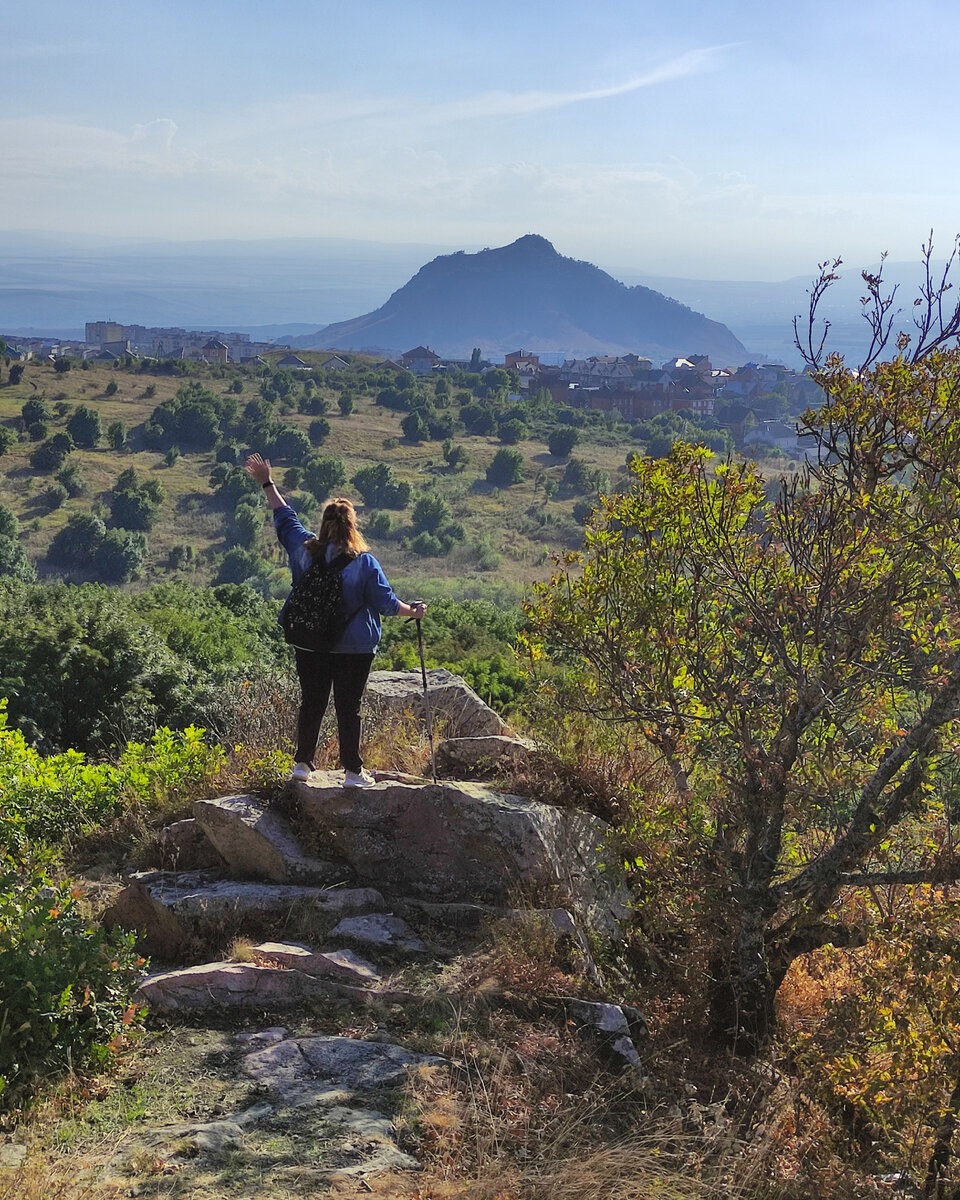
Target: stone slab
341,964
180,914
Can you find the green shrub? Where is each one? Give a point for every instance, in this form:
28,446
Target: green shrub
506,468
64,985
117,435
48,801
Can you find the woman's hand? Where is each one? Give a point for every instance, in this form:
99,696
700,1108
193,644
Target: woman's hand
259,468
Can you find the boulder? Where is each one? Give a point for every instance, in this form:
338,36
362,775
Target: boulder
260,843
341,964
181,915
451,698
456,842
479,755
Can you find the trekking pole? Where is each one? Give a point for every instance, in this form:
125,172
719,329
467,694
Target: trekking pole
426,697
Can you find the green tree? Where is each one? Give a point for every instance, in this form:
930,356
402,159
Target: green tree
506,468
62,365
562,440
324,476
16,373
319,431
414,427
77,542
456,457
796,664
50,455
512,431
119,556
291,444
7,438
346,404
380,489
429,513
71,477
35,410
248,518
85,426
135,503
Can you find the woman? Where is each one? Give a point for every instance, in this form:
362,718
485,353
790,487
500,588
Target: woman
366,596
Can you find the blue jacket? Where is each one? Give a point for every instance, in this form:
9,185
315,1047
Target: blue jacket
366,592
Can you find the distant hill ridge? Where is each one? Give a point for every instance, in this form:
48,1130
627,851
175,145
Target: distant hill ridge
526,294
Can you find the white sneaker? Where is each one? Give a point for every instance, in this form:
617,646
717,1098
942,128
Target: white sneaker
301,771
358,779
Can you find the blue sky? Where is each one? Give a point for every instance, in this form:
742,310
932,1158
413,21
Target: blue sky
707,139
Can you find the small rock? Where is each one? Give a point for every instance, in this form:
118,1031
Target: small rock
329,1068
171,910
608,1023
264,1037
13,1155
380,930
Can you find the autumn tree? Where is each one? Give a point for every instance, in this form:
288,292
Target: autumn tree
794,662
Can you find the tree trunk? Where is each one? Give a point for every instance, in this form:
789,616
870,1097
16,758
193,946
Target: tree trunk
743,989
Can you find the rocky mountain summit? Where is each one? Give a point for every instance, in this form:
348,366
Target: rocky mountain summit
526,294
325,894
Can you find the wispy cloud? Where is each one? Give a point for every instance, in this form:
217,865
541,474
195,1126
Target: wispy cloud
371,113
510,104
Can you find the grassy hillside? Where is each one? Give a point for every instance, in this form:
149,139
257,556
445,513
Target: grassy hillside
508,532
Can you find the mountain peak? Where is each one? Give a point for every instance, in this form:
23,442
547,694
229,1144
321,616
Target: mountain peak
529,245
526,294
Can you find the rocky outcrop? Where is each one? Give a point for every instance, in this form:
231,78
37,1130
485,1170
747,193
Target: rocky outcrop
451,698
179,916
464,842
258,842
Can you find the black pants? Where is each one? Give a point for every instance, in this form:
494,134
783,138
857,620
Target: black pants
347,673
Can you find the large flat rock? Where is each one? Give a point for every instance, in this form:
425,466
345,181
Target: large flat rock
330,1069
183,916
463,712
453,842
225,985
258,842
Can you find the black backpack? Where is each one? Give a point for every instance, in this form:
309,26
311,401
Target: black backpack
314,617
